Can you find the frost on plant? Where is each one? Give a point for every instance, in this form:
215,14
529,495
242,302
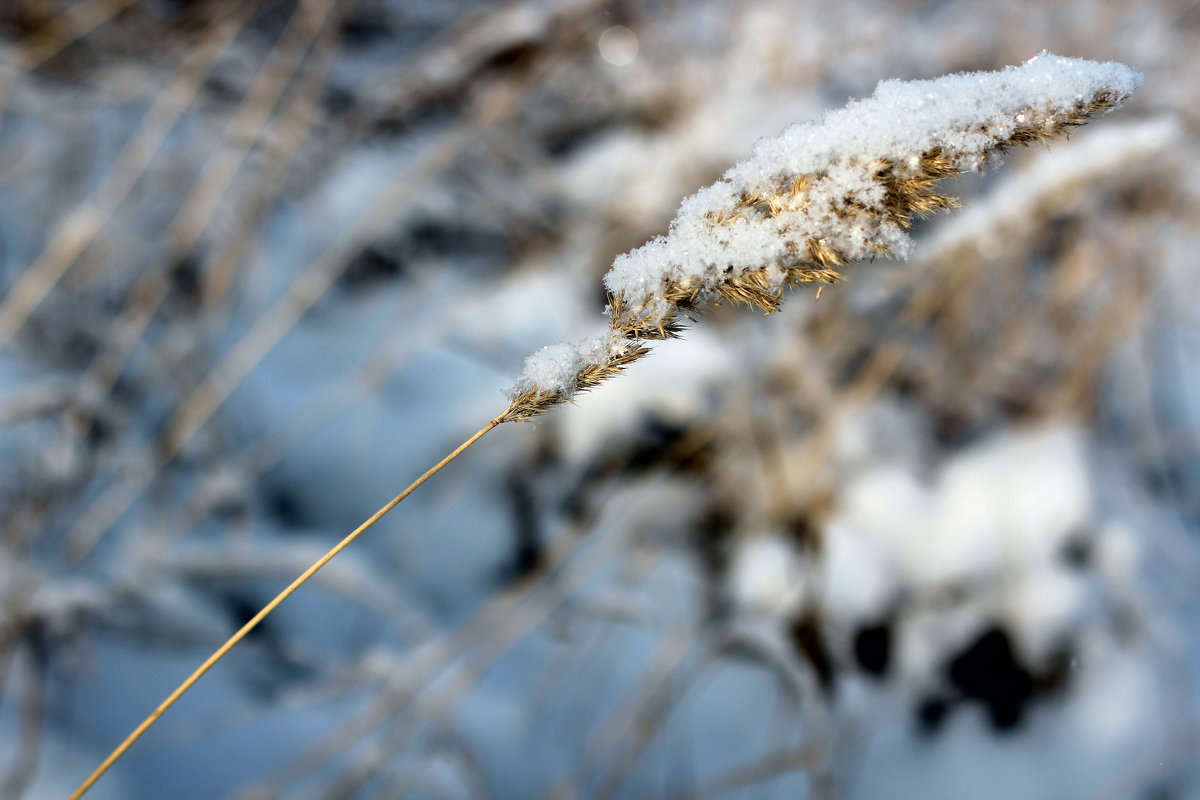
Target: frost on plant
817,197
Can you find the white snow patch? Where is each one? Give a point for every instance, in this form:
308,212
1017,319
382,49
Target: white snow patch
767,576
555,368
1011,501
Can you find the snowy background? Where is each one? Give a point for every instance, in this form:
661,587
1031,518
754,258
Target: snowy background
262,263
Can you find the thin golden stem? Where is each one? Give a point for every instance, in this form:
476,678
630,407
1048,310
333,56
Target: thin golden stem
268,608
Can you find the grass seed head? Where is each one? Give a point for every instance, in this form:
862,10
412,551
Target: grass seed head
848,188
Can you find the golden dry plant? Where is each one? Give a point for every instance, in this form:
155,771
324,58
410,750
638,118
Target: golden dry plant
816,199
805,205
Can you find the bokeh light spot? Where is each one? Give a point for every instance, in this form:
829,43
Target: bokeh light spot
618,45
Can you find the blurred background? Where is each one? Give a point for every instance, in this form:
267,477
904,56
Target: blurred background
263,262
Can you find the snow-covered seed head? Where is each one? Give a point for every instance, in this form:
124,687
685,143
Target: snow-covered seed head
558,372
816,198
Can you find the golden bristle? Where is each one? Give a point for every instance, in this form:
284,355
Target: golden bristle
821,253
752,288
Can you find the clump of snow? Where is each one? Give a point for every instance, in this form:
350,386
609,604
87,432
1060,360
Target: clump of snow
857,580
880,515
554,369
1042,604
998,515
940,554
965,112
767,576
965,116
1009,502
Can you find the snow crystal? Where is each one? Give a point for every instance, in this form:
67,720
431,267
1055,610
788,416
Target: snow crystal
965,115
